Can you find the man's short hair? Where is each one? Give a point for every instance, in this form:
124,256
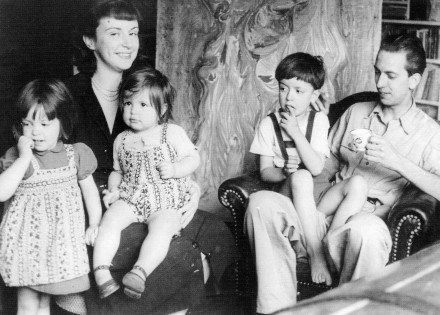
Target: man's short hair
412,46
304,67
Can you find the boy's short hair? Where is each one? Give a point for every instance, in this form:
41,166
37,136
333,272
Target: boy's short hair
412,46
304,67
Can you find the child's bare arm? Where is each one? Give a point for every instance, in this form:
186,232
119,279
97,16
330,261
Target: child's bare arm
93,205
185,167
268,172
11,178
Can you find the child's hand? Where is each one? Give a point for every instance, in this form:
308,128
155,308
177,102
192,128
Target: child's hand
91,234
25,146
291,165
289,122
166,170
110,197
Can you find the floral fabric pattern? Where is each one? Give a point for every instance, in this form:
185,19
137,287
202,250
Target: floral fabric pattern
142,187
42,233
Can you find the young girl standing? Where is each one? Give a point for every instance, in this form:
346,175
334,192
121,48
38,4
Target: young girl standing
42,240
152,162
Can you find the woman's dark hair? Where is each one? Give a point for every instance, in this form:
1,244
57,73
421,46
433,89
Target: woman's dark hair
161,92
412,46
88,22
304,67
53,97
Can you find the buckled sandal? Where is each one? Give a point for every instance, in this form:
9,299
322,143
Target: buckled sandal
134,284
109,287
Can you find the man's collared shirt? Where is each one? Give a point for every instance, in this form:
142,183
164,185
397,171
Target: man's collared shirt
414,135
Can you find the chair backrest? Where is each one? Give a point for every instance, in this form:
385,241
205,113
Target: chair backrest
338,108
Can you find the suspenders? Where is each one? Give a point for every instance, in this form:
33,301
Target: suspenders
290,144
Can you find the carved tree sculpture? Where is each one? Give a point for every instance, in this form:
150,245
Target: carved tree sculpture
221,57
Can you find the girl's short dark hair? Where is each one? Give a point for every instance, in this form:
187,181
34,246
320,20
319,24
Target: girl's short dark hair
88,22
304,67
160,89
53,97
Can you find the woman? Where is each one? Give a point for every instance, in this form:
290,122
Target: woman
108,44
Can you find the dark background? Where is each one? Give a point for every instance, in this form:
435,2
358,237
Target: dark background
36,41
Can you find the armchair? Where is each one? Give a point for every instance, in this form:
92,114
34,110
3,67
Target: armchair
410,221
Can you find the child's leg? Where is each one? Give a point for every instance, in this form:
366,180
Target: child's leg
115,219
302,191
162,226
44,306
30,302
343,200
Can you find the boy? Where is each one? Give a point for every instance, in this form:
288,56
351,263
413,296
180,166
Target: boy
292,155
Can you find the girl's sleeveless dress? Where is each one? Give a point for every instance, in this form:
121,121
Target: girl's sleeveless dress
42,233
142,187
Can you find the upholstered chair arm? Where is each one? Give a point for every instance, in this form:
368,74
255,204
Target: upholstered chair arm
234,193
409,222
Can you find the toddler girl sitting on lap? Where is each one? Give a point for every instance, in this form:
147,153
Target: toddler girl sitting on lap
152,163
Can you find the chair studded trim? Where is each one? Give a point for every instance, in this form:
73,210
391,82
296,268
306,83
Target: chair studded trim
315,285
413,226
227,195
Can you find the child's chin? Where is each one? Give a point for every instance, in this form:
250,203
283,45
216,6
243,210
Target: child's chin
302,113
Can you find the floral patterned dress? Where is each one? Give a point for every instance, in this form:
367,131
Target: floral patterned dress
142,187
42,233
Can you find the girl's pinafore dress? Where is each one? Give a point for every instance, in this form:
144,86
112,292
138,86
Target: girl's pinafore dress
42,233
142,187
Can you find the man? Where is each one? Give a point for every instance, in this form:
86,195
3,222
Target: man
404,148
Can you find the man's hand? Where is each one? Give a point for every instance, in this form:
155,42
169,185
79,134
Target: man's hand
322,104
166,170
381,151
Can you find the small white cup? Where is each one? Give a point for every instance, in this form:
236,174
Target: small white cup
360,139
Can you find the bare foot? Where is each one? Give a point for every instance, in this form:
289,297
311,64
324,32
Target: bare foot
320,272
